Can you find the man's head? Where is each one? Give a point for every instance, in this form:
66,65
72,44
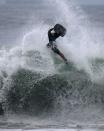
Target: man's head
59,29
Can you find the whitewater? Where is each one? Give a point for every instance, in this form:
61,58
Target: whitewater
38,91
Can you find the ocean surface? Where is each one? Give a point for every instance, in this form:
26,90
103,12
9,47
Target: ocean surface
37,89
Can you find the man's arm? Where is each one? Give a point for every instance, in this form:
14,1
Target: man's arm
49,32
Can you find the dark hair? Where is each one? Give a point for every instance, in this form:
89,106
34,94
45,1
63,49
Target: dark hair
60,29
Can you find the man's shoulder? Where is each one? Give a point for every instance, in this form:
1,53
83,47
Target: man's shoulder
51,29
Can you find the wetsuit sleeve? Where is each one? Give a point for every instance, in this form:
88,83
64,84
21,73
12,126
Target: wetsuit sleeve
50,30
49,34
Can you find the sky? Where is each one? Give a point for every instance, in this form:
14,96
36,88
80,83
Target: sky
97,2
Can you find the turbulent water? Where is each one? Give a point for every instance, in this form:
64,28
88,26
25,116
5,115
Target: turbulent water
34,82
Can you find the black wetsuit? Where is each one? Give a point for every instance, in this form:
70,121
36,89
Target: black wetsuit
52,37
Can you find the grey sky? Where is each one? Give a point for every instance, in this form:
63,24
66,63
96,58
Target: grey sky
2,2
97,2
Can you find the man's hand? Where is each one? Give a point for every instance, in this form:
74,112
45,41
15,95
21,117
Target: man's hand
48,45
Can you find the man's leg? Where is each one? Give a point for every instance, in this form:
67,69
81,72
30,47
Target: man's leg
57,51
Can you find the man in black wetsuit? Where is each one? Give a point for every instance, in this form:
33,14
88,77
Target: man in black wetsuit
53,34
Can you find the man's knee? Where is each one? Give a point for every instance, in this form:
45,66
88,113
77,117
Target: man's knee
48,45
